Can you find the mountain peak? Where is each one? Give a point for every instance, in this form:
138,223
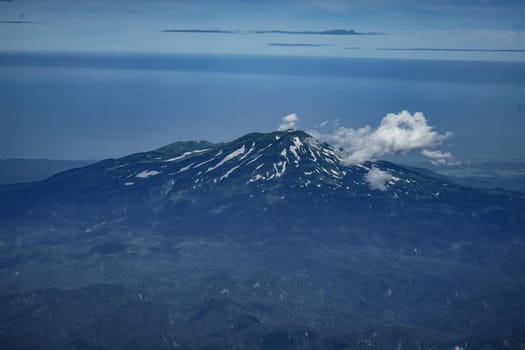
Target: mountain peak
287,134
259,157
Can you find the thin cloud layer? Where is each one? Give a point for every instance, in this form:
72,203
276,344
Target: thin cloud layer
297,45
199,31
450,50
397,134
19,22
288,122
321,32
339,32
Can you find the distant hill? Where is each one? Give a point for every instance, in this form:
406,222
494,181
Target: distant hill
25,170
505,174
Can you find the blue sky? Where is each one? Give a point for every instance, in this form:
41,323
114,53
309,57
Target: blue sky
136,26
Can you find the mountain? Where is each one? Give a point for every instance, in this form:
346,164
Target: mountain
268,241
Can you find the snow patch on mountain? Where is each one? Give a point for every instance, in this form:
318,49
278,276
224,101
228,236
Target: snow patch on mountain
147,173
229,157
186,154
229,172
187,167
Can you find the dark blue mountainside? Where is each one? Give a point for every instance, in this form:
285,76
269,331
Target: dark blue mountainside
268,241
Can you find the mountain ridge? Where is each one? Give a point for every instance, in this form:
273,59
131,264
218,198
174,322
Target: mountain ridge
239,171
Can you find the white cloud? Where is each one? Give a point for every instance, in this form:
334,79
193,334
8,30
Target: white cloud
288,122
397,133
377,178
438,157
